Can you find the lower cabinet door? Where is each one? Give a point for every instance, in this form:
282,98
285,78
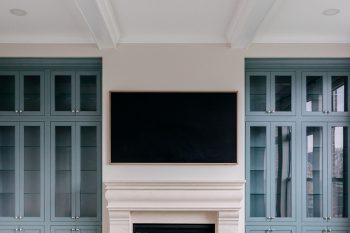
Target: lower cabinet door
325,229
76,229
21,229
270,229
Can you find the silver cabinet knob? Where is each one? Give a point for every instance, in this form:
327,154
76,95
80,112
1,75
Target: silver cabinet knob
77,217
273,111
77,110
20,217
17,229
77,229
73,229
16,217
20,229
20,110
73,217
73,110
16,111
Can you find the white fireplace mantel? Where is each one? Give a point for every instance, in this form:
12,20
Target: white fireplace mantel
131,202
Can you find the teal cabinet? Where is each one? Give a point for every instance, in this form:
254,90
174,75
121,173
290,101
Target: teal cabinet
21,229
270,172
76,229
325,229
325,93
76,171
270,229
21,171
325,172
75,93
22,93
270,93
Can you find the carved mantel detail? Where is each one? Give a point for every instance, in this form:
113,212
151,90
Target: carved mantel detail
127,198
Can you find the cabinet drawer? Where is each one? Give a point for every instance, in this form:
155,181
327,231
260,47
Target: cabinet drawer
270,229
21,229
76,229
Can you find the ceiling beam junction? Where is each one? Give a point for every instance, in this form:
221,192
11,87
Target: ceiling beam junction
100,18
247,18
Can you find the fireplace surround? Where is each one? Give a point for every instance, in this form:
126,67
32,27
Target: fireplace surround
174,202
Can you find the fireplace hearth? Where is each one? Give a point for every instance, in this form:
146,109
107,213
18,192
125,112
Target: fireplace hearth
173,228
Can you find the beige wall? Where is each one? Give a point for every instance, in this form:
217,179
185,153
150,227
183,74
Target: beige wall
174,67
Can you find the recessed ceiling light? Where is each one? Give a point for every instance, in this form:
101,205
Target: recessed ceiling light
330,12
18,12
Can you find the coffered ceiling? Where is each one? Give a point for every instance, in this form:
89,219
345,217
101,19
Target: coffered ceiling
236,22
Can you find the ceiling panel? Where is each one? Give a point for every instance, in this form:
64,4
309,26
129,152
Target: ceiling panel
47,21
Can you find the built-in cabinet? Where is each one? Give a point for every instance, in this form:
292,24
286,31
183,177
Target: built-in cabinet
297,156
50,145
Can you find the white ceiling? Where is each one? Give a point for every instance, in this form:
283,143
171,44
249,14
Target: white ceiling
238,22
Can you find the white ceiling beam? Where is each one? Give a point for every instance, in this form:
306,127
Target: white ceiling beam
100,18
247,18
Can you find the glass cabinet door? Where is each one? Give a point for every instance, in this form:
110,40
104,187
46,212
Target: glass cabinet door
9,93
282,189
283,89
32,165
88,198
88,93
338,172
314,166
31,94
258,97
314,89
9,185
62,172
338,93
258,201
63,94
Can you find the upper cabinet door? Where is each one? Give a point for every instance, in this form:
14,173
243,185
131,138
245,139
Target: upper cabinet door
88,96
63,93
9,93
338,173
314,90
257,94
338,93
282,93
270,93
31,93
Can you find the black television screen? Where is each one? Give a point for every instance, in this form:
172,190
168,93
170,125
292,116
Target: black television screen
168,127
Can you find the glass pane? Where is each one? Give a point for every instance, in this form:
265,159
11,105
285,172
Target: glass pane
88,190
257,93
339,172
7,171
314,179
88,93
31,93
283,171
258,171
63,153
32,180
283,93
314,93
7,93
339,94
63,93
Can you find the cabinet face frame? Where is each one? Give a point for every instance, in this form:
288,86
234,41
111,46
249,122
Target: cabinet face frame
16,91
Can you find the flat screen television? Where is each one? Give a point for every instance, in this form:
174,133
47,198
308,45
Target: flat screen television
169,127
